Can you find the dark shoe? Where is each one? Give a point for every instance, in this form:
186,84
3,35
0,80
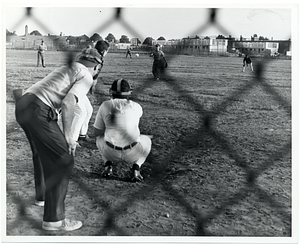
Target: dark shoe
107,169
136,174
87,142
85,138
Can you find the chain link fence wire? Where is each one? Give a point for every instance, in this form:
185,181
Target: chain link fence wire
206,127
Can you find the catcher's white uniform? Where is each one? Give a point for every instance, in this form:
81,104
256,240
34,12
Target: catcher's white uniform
122,141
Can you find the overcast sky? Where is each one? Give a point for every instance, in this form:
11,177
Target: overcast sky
170,21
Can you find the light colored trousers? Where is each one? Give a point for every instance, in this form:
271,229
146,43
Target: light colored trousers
83,111
137,154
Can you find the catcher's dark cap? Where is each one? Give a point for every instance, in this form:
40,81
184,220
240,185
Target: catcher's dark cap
121,87
157,45
89,57
102,46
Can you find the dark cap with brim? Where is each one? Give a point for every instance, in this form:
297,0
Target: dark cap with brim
121,87
102,46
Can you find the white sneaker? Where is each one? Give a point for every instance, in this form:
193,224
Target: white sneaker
39,203
66,225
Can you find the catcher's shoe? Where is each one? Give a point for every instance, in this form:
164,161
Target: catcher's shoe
136,174
107,169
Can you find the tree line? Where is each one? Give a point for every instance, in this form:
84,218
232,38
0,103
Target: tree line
96,37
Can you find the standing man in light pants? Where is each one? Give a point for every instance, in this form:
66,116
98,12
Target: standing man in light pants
83,110
41,54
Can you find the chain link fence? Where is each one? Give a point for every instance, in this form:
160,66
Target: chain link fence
206,127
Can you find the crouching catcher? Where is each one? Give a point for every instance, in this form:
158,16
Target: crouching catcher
117,130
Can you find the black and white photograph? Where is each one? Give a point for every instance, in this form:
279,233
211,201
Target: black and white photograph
149,122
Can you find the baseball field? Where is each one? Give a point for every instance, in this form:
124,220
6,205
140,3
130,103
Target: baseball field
220,164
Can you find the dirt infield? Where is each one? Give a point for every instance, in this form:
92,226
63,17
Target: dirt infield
226,174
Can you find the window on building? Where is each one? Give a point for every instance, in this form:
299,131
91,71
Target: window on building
272,45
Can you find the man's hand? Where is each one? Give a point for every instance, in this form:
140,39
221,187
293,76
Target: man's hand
72,146
67,113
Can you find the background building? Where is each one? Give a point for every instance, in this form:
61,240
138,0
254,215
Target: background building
191,45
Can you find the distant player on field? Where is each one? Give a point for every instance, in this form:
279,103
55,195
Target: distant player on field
247,62
41,54
128,53
159,62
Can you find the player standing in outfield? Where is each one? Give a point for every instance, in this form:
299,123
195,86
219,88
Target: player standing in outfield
117,129
53,150
247,62
159,62
41,54
128,53
83,109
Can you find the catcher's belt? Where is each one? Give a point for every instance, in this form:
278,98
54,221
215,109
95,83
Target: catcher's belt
121,148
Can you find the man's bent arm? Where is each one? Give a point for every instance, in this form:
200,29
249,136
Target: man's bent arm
67,116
